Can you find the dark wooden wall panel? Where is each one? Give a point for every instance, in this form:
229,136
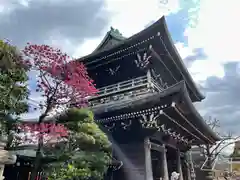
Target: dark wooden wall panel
133,159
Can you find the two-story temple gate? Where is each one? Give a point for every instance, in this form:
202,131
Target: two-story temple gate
145,103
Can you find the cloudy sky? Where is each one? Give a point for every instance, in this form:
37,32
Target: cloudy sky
206,33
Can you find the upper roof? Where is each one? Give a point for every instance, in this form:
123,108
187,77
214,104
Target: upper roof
154,34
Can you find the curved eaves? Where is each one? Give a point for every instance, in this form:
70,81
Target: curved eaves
177,90
104,40
179,62
196,114
138,102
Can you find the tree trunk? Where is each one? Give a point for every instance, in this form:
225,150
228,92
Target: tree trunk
38,159
37,163
9,138
209,174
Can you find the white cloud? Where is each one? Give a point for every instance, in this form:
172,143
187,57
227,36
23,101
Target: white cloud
129,17
87,47
183,50
226,147
217,31
7,6
202,69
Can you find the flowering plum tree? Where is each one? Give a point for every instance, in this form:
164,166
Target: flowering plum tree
61,81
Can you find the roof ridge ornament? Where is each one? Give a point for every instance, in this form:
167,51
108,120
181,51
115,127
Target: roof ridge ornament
115,32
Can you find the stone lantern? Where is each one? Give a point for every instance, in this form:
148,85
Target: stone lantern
5,156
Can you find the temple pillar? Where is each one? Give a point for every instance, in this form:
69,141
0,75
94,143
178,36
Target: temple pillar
179,166
187,166
148,160
164,164
191,170
188,171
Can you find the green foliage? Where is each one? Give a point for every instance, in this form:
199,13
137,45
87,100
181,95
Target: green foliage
87,152
13,78
14,92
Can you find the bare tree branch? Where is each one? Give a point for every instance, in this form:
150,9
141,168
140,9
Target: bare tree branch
228,144
212,151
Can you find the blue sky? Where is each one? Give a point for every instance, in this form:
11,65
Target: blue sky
177,23
205,32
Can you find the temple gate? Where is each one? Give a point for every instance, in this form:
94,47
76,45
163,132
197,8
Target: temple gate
145,104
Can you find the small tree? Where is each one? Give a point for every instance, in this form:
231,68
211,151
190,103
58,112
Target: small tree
213,151
13,87
61,82
86,153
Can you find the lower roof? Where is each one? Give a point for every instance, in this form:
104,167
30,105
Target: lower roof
177,94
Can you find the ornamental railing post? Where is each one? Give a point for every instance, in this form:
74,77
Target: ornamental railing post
149,83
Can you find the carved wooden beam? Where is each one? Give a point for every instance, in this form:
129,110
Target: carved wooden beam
110,127
142,60
136,114
182,127
149,121
126,125
188,122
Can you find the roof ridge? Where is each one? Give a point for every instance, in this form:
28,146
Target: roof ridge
111,34
115,33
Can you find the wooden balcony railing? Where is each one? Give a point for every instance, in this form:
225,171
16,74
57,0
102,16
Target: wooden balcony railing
129,85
